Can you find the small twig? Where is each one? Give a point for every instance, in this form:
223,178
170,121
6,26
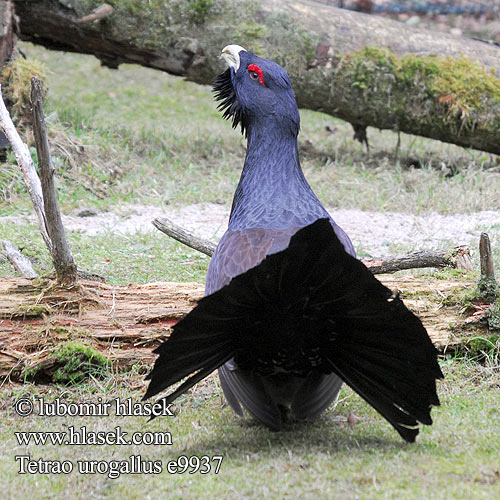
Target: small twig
180,234
458,257
113,306
20,263
100,12
27,167
62,258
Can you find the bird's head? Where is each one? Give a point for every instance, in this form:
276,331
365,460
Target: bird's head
254,91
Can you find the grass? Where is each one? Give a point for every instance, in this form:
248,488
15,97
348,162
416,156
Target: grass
143,137
455,458
138,135
120,259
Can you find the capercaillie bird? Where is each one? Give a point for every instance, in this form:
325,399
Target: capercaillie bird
289,312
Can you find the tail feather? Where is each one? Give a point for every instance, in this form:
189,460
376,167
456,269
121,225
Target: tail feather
400,390
248,388
315,395
389,361
309,309
178,359
200,341
185,386
404,423
165,374
393,370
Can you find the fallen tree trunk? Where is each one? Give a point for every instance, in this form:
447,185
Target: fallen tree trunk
123,323
458,257
369,71
126,323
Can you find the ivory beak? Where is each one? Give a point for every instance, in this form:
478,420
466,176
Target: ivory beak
231,56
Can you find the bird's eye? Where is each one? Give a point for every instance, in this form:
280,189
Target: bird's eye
255,72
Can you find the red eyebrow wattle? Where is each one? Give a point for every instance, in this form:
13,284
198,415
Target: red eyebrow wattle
258,70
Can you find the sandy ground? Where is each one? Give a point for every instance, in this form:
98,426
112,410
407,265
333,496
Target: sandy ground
373,233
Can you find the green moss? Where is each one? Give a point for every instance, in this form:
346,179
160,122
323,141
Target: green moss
463,297
16,86
460,85
250,35
448,273
156,24
64,332
32,310
199,10
411,68
494,316
365,66
463,84
77,361
488,289
289,44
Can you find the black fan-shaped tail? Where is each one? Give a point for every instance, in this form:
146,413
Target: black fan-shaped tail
310,309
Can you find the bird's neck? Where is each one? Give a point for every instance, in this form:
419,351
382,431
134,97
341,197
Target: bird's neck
272,188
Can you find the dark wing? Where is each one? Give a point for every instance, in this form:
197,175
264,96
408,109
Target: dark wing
237,252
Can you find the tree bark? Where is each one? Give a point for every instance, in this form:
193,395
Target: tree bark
25,162
367,70
458,257
486,257
8,38
19,262
488,288
180,234
125,323
62,258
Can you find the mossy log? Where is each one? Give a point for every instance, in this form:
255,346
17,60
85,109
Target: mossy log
125,323
122,323
367,70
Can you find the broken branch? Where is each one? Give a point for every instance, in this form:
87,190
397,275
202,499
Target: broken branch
61,254
27,167
101,12
180,234
19,262
458,257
